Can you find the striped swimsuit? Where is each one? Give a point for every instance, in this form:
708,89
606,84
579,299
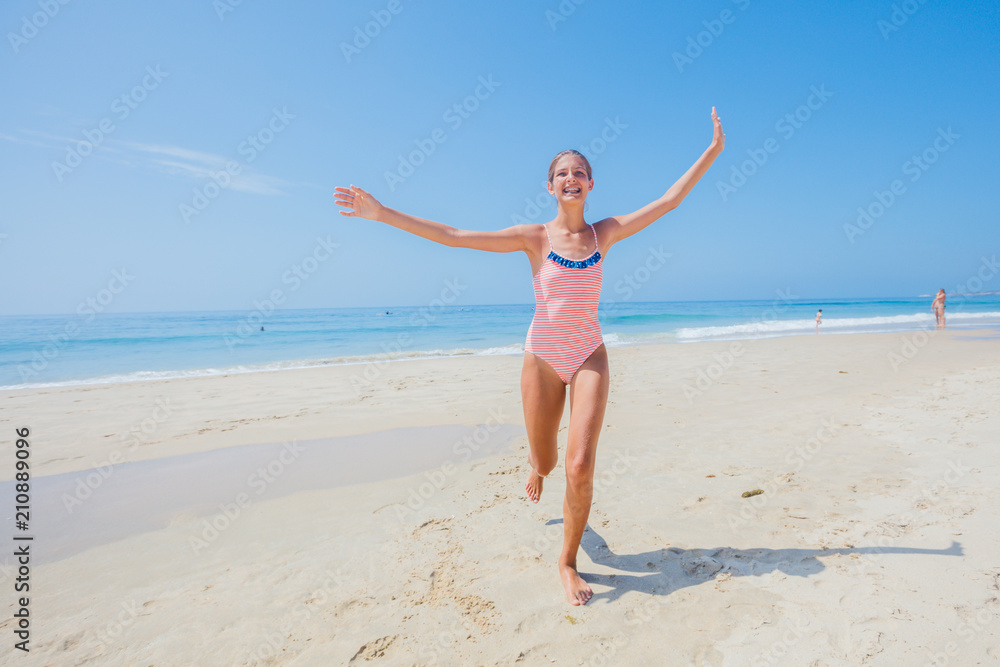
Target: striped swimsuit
564,331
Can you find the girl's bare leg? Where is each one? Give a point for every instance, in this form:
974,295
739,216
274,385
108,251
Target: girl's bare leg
588,398
543,396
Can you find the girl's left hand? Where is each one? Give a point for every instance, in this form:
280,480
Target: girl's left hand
719,137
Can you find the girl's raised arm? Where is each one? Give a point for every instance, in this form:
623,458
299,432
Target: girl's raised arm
623,226
363,205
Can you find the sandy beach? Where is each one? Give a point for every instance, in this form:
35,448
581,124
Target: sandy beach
377,513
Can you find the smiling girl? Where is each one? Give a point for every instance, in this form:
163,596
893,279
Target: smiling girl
564,346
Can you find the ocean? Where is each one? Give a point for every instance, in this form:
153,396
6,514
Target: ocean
54,350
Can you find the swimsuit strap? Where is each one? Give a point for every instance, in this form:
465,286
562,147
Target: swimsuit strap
596,247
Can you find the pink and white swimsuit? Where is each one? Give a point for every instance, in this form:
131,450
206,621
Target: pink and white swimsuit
564,331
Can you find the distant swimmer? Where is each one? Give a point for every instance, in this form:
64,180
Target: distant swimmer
938,307
819,319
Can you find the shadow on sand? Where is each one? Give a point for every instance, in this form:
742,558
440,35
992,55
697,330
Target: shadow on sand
664,571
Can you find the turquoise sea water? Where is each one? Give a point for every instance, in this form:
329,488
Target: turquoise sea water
71,349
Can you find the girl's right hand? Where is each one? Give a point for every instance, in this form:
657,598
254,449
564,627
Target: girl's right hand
362,204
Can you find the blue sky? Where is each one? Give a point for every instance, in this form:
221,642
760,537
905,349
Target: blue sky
193,146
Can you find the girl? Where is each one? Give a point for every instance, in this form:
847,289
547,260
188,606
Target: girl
564,346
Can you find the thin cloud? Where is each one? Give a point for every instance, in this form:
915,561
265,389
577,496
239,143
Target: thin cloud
22,140
171,160
50,141
200,165
213,161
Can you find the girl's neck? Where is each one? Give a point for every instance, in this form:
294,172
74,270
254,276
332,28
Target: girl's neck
570,218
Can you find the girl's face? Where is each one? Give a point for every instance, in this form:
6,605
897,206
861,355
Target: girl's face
569,180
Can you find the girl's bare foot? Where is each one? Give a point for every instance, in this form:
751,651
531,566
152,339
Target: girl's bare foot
577,590
534,486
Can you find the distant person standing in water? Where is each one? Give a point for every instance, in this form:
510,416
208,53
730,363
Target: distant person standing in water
938,307
819,319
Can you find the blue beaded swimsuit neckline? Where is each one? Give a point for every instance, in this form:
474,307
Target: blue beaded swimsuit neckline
575,263
594,258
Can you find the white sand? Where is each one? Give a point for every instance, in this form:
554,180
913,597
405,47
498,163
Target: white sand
875,540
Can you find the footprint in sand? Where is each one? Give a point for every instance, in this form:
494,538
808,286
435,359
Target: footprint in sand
432,524
72,642
702,568
374,649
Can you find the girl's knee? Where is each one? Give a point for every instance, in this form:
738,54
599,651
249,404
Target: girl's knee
579,472
545,466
